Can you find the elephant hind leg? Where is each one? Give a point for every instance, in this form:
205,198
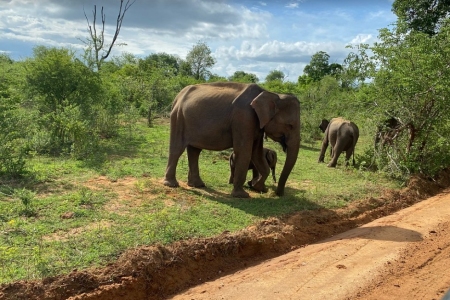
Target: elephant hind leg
170,176
194,179
337,149
348,155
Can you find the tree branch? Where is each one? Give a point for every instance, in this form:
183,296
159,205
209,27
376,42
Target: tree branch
98,39
118,25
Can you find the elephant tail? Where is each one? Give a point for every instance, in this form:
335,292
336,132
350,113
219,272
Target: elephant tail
354,147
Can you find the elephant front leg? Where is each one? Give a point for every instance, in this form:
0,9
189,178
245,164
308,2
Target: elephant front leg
261,173
241,164
194,179
323,150
238,184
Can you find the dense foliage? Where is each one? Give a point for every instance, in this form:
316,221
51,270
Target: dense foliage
422,15
411,83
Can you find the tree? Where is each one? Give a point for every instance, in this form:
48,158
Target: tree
167,63
422,15
97,51
216,78
200,60
15,122
275,75
358,66
67,95
185,68
410,83
304,80
241,76
335,70
318,66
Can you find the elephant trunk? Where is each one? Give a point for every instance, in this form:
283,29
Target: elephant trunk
291,158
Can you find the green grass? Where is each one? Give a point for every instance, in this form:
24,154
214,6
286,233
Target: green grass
71,214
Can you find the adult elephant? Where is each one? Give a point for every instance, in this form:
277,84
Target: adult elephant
218,116
342,135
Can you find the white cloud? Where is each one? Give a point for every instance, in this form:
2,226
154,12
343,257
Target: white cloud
362,39
253,36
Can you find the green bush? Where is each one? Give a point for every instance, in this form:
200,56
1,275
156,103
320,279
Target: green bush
66,93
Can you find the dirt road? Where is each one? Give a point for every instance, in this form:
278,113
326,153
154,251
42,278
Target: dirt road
405,255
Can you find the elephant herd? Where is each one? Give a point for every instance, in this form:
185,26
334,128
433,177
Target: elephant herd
219,116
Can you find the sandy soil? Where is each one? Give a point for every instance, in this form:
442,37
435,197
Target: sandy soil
393,247
402,256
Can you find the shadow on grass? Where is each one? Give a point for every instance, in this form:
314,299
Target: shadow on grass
264,206
31,182
318,217
121,147
309,148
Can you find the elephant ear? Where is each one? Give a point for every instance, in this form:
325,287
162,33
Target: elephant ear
265,107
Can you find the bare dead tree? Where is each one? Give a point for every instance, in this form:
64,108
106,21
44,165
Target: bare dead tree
97,51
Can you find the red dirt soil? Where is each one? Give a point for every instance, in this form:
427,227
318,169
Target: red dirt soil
415,268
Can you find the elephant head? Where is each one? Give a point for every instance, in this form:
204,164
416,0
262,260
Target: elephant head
279,117
387,131
323,125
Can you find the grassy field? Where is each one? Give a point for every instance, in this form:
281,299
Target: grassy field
75,214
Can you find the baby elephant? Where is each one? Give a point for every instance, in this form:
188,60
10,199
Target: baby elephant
342,135
271,157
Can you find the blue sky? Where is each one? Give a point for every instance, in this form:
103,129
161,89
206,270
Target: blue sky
251,36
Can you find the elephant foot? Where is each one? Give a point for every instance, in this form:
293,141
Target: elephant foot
196,183
330,165
280,192
171,183
239,193
258,187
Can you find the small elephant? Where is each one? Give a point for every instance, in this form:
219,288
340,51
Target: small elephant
387,131
271,157
343,135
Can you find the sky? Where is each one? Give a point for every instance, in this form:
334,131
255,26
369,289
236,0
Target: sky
248,35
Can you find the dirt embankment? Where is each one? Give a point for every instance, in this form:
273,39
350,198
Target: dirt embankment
158,272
